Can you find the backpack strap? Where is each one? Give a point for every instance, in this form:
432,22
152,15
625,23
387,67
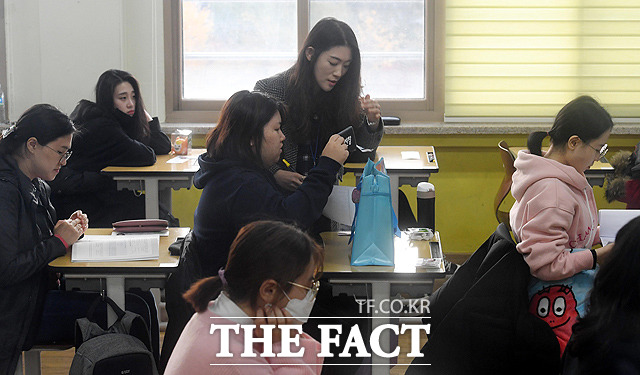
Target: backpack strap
103,298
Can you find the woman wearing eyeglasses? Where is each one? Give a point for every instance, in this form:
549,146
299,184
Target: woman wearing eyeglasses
116,130
555,218
270,278
32,150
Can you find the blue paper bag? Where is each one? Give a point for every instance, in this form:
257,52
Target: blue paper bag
375,222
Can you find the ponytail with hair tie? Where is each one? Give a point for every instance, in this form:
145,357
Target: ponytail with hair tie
7,132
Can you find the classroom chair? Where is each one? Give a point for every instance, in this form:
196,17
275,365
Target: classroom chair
508,158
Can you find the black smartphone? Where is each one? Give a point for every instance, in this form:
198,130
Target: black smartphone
349,138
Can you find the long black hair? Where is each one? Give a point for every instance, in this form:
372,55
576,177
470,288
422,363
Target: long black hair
106,87
262,250
337,108
42,121
240,129
583,116
614,303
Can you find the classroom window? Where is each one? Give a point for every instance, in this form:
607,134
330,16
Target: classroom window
527,58
219,47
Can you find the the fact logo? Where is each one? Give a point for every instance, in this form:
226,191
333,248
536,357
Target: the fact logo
329,335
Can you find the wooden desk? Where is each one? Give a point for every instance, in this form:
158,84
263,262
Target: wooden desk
595,175
116,277
402,171
385,282
157,180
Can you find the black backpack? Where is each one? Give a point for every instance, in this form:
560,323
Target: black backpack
124,348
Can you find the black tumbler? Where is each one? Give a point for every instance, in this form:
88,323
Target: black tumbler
426,194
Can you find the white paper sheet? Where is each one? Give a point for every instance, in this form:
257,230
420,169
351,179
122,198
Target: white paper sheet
612,220
181,159
99,248
340,207
410,155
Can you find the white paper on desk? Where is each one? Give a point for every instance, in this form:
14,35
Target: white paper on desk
181,159
106,248
612,220
410,155
340,207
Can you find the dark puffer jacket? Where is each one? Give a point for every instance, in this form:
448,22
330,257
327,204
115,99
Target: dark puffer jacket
480,320
27,245
104,139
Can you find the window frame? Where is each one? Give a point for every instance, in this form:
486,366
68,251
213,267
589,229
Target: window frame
206,111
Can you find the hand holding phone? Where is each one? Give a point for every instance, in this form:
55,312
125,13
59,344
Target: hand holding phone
349,138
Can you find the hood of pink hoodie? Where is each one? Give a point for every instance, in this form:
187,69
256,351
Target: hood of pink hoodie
533,168
554,212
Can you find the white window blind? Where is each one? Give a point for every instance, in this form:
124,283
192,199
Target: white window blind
525,58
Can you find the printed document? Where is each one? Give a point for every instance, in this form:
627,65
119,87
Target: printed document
612,220
98,248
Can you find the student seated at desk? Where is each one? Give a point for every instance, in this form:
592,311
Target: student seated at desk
270,278
322,91
32,150
607,339
238,189
116,130
555,218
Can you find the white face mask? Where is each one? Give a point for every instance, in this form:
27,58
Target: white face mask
300,309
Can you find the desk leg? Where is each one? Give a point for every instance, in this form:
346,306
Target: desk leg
115,291
151,198
164,197
380,291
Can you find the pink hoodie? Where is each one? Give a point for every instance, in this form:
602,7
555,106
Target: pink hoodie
555,211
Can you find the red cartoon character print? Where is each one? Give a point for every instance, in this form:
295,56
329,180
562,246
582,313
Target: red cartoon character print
556,305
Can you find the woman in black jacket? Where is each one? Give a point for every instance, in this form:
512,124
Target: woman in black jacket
116,130
31,151
237,188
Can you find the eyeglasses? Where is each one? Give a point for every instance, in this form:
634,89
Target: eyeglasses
602,151
315,286
64,156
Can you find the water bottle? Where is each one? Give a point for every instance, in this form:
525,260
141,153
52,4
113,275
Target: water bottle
3,108
426,194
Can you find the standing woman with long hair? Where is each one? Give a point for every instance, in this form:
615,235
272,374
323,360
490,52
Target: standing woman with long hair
31,151
323,94
116,130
